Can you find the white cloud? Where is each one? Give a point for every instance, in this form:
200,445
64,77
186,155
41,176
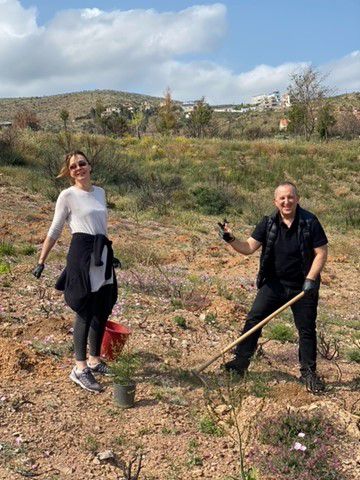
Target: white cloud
344,73
135,50
15,21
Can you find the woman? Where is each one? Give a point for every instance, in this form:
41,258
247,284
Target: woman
88,281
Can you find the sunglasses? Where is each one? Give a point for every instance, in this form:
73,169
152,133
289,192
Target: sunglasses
80,163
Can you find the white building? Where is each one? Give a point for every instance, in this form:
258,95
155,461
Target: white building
188,106
264,102
285,100
225,110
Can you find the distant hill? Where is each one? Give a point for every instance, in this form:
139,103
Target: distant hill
78,104
347,100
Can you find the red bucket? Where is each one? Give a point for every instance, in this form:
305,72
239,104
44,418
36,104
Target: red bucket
115,337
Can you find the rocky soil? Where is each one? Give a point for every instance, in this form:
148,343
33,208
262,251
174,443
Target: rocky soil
53,430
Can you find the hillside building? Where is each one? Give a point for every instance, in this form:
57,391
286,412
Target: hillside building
188,106
265,102
271,101
283,124
285,100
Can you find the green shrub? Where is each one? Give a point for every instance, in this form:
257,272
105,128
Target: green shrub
91,444
158,192
7,249
259,385
354,355
208,426
28,250
211,318
4,268
211,201
194,460
281,332
125,367
180,322
10,156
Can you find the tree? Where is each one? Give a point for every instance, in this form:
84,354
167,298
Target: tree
325,120
347,124
168,115
97,115
199,118
115,124
138,123
64,115
297,118
307,91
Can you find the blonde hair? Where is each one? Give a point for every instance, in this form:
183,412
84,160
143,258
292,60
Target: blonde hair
65,169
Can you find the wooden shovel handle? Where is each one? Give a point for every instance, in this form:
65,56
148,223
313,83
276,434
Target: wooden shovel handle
249,332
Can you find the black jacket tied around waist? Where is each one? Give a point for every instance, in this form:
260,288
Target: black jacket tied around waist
74,280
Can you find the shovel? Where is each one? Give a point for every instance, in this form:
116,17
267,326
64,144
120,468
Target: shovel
248,333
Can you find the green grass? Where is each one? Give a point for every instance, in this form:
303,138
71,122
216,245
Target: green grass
182,179
4,268
208,426
353,355
180,322
7,249
91,444
211,318
27,250
281,332
259,385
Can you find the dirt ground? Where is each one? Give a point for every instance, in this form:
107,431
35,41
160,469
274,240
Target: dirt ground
53,430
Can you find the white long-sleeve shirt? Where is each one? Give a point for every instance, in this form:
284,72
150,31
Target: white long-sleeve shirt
84,212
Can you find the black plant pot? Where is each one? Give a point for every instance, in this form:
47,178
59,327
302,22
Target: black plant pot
125,395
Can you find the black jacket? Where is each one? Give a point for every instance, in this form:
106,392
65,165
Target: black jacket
304,238
74,281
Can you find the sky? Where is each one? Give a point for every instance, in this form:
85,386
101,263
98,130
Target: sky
227,51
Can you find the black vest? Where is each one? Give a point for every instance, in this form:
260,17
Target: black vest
303,234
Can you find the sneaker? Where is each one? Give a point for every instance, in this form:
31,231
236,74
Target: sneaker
86,380
313,382
100,368
235,367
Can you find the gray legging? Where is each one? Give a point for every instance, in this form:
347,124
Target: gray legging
89,327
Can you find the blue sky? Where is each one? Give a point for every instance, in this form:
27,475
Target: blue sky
227,51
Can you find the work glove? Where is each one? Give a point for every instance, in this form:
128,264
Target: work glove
116,263
38,270
310,287
224,234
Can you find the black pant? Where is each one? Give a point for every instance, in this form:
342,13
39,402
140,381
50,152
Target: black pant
90,325
269,298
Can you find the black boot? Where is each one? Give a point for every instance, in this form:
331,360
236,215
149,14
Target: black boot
237,366
313,382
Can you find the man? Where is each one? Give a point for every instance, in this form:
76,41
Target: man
294,251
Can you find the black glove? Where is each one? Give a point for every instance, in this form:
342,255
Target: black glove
227,236
116,263
38,270
310,287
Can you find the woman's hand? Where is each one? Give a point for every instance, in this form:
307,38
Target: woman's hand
38,270
116,263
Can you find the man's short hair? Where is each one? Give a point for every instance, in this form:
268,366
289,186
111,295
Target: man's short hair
284,184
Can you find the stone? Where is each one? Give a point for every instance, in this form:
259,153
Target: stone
105,456
221,409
